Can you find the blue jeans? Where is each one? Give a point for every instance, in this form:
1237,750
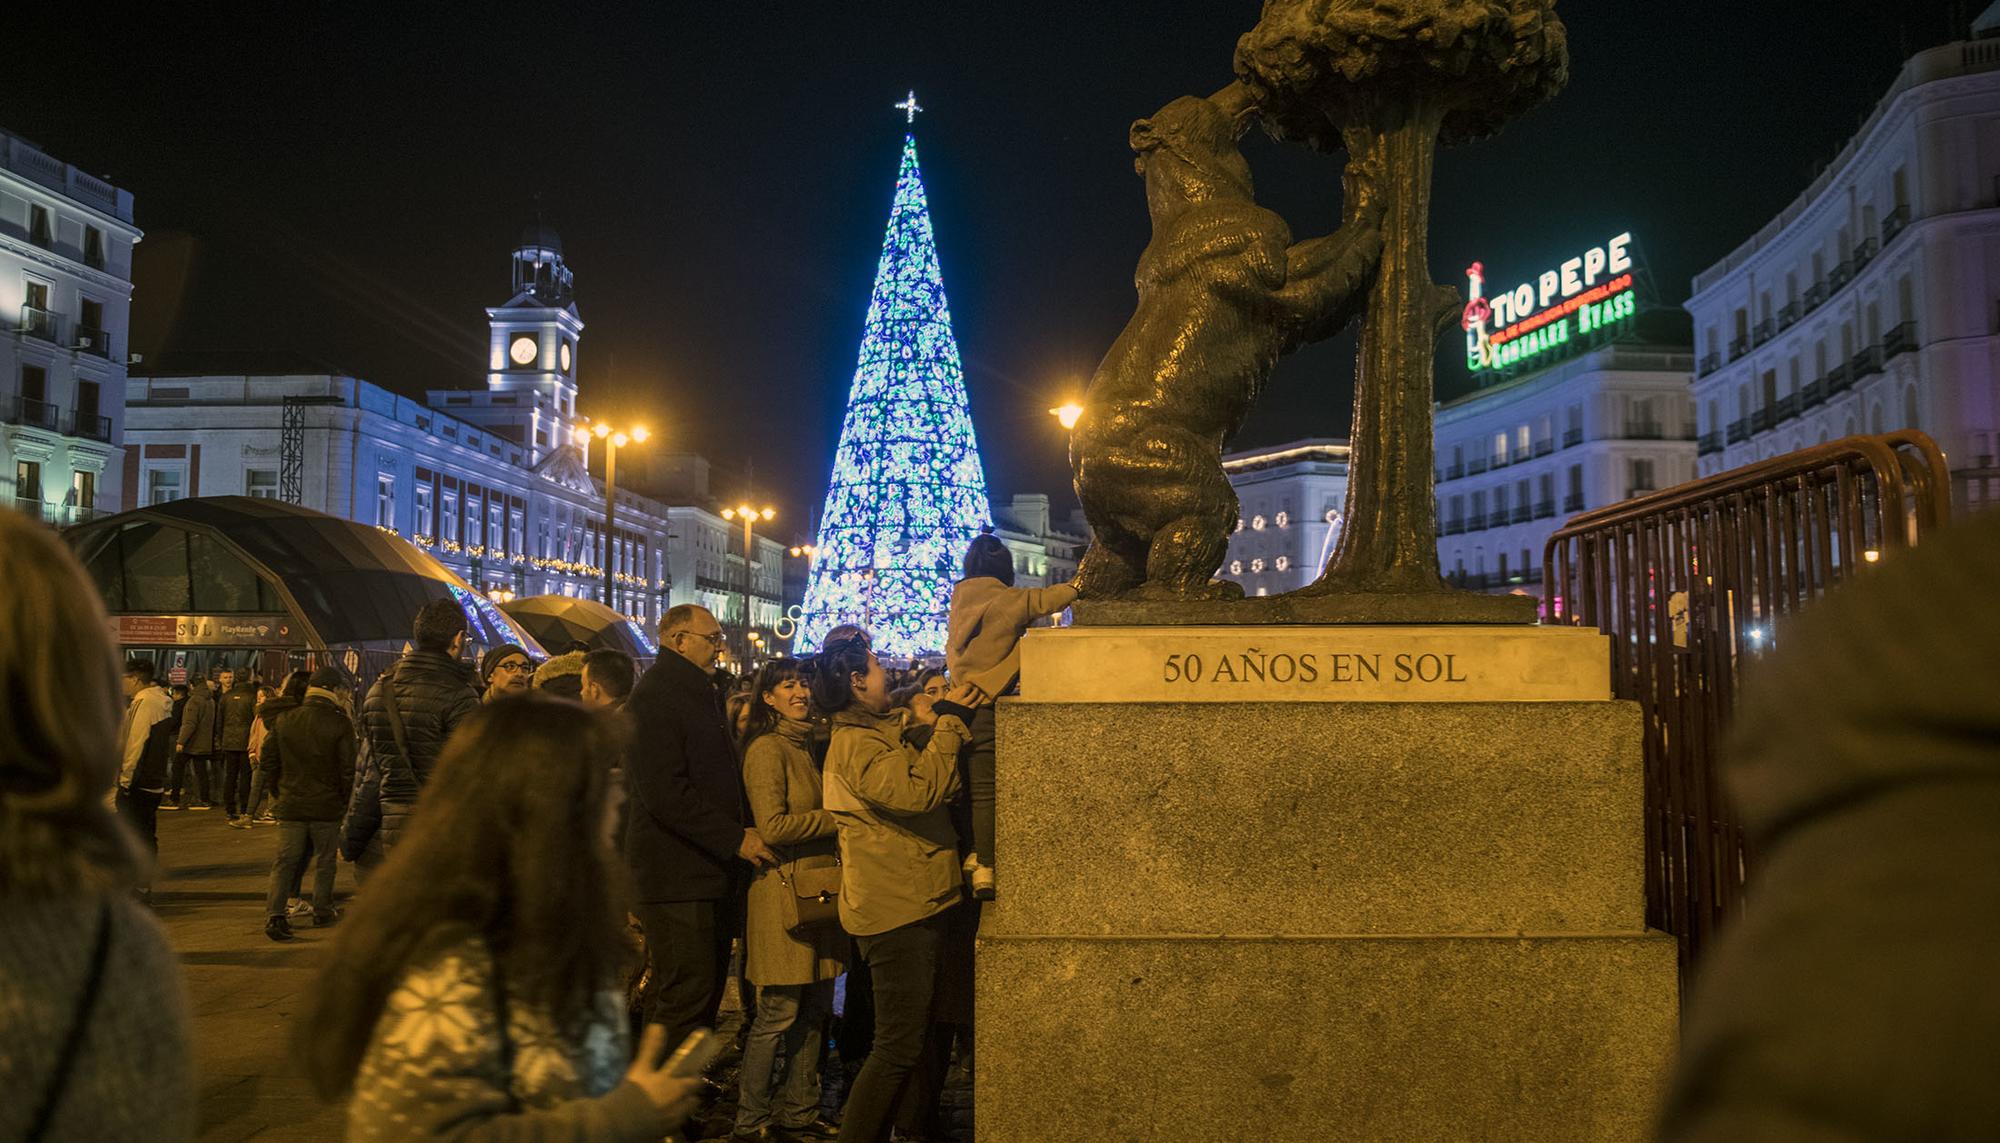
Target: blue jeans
796,1014
292,838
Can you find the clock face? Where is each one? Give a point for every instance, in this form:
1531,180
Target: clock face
565,357
523,350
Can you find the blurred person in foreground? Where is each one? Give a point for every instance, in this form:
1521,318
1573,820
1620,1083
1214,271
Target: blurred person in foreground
983,648
308,762
608,675
900,873
93,1020
793,972
1856,997
472,993
406,719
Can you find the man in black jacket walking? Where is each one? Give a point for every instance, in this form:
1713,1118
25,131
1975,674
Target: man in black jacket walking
308,767
432,691
686,833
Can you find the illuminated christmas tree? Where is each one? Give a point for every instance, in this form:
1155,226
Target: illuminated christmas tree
908,493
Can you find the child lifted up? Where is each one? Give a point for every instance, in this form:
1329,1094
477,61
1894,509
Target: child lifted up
983,647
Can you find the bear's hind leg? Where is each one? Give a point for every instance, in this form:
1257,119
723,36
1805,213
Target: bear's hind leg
1105,572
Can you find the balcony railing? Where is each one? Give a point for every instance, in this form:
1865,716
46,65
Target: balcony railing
1813,395
1475,467
1545,508
1642,431
1869,360
1454,472
1788,407
1708,442
1760,419
1901,338
1454,527
1761,332
1500,459
1497,518
35,414
38,322
1520,453
1572,438
1573,502
1738,348
93,341
1894,222
1710,362
1545,446
1739,430
1865,253
1839,379
1842,273
1523,513
1815,294
92,425
1789,316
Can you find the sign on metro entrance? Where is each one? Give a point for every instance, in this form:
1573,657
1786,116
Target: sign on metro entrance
1545,319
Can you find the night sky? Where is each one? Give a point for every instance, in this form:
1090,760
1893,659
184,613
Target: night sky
343,183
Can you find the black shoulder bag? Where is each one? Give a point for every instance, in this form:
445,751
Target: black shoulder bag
73,1042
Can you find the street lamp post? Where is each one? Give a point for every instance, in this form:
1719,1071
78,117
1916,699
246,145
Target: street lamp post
749,515
613,441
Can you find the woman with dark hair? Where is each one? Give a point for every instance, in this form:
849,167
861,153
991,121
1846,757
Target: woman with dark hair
93,1020
794,973
473,990
983,648
899,871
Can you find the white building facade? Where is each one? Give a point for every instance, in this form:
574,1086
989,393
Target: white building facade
1519,457
1290,500
1869,304
66,243
494,482
1046,551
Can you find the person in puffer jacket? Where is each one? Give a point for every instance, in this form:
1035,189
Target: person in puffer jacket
433,692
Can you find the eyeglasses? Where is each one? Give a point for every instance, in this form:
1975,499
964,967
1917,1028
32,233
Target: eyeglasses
714,639
515,665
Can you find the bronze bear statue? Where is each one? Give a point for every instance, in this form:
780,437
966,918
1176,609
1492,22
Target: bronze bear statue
1223,293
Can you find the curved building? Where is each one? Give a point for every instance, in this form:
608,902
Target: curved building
1868,304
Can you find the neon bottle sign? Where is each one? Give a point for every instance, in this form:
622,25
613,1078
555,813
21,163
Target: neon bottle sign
1580,296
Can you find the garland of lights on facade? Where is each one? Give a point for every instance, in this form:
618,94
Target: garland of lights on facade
908,493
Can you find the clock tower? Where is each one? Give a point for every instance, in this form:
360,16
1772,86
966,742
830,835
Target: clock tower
531,356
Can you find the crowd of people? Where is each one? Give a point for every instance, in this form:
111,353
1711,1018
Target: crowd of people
558,861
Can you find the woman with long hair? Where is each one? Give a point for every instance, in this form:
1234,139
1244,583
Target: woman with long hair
899,871
93,1020
794,973
473,990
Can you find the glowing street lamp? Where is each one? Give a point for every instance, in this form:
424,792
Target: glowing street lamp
1067,414
614,439
806,551
749,516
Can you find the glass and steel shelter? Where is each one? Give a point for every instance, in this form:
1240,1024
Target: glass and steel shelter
557,620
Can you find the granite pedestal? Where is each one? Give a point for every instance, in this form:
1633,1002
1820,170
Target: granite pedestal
1383,898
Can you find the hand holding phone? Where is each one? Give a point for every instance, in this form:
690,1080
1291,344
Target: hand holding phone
695,1054
672,1093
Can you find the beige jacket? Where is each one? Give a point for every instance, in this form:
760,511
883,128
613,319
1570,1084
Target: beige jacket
890,802
983,636
784,790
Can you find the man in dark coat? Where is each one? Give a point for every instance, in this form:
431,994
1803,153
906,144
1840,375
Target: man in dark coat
432,692
1856,997
686,833
236,711
308,766
194,742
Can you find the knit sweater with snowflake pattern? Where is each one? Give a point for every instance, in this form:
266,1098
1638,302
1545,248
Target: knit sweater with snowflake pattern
437,1065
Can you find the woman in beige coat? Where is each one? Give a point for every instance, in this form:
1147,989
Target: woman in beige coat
794,976
900,868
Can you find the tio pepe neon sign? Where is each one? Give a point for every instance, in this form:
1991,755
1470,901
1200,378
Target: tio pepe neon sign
1580,296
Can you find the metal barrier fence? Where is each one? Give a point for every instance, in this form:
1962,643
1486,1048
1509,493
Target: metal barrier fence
1687,582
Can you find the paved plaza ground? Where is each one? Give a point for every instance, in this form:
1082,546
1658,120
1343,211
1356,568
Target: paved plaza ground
246,991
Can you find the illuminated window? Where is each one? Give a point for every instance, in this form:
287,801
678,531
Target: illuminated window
1284,519
1257,565
1257,524
261,483
385,500
1284,563
424,520
1235,567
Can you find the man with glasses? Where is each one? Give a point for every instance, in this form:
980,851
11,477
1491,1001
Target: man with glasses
506,670
687,836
